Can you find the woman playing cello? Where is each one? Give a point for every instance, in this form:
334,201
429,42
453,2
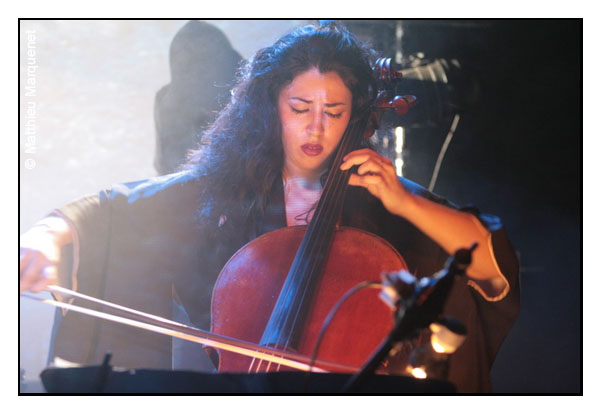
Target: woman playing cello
262,166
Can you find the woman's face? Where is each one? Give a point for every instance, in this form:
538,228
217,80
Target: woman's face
314,110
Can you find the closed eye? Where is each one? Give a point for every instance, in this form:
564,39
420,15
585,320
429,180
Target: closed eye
299,111
302,111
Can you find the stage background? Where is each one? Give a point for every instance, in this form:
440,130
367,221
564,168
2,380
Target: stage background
516,152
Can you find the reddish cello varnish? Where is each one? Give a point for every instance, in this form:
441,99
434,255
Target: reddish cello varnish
278,289
247,289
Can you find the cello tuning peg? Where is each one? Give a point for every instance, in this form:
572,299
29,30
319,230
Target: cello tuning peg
385,71
411,100
402,104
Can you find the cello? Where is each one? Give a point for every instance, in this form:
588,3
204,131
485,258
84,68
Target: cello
277,290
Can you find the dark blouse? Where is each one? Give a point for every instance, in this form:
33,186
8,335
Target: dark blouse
140,245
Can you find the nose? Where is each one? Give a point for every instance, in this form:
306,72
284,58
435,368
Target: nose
316,126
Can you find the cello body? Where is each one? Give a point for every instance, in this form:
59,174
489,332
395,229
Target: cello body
248,286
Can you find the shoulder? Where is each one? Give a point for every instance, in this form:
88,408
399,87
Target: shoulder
156,206
164,196
156,187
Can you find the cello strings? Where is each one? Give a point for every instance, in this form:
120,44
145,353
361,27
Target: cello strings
337,182
331,200
306,254
336,190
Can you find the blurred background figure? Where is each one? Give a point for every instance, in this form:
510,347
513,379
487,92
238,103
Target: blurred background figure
203,65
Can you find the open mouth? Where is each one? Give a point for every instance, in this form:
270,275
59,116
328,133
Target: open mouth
312,149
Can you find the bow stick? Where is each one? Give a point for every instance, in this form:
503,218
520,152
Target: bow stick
174,329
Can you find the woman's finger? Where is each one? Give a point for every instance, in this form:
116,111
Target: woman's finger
35,266
24,259
365,180
371,166
48,276
363,156
354,160
31,271
362,151
358,157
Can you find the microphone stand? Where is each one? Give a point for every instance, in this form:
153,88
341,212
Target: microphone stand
422,307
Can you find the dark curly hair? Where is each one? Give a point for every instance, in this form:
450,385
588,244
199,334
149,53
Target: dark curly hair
241,155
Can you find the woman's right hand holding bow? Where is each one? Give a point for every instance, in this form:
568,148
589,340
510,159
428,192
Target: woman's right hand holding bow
39,253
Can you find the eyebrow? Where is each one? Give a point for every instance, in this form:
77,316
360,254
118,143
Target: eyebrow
329,105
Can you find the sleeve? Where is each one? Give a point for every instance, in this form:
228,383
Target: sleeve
501,250
488,319
136,242
150,214
89,219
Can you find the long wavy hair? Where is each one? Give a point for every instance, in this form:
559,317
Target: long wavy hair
240,156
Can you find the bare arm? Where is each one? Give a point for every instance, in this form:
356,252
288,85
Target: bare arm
449,228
